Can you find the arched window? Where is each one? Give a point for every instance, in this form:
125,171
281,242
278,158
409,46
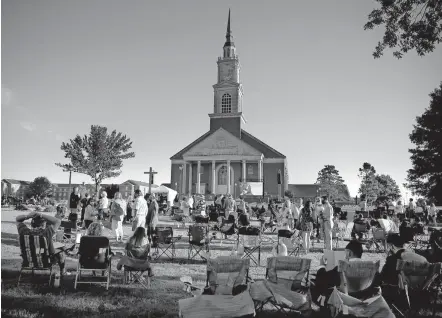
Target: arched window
226,103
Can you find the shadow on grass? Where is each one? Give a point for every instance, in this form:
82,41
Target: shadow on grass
10,239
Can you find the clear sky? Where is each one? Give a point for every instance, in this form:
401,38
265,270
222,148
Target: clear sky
312,89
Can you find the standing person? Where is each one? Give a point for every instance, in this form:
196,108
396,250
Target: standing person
74,200
84,205
90,212
242,206
191,202
139,211
432,213
306,224
317,211
117,213
327,223
185,207
103,206
286,213
152,217
129,208
296,212
231,207
411,208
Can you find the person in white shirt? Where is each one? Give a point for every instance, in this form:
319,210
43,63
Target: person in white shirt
117,214
411,208
140,210
386,224
191,201
185,206
327,223
432,213
296,211
103,205
231,207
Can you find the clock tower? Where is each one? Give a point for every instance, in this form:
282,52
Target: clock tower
228,91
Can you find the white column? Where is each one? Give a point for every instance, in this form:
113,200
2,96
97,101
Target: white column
228,176
198,178
260,170
190,179
183,190
213,177
244,171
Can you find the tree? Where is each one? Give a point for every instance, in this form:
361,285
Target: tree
41,186
425,176
332,183
99,155
409,25
388,187
369,184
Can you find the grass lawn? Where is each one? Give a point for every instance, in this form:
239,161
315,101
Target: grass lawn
36,299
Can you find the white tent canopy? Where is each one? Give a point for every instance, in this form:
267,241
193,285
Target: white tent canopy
163,189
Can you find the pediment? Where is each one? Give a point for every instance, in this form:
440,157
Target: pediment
221,142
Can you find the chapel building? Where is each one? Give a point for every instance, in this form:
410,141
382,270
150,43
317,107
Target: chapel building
227,159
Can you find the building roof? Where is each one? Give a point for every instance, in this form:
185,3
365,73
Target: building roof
246,137
140,183
304,190
13,181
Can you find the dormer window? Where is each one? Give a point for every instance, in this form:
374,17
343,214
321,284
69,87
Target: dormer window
226,103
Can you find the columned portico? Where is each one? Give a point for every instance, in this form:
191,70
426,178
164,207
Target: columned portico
184,177
213,176
190,179
228,177
198,177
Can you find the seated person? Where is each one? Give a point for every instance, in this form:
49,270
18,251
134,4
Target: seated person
243,220
326,280
94,256
386,224
389,274
137,248
43,225
361,221
417,225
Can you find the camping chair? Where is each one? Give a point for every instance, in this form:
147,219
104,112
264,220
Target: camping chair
35,255
134,273
356,294
291,240
421,241
378,242
285,286
198,240
360,229
67,232
228,226
164,242
267,225
420,284
250,238
94,255
226,293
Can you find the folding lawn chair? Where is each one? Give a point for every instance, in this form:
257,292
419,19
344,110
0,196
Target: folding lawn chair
198,240
291,240
67,232
285,287
94,255
420,285
356,295
226,293
164,242
139,264
250,238
378,241
268,226
35,255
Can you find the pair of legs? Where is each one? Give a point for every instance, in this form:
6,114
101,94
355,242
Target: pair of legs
306,240
60,258
117,227
328,235
150,232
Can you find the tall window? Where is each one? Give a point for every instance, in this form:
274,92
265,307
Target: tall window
222,176
250,170
226,103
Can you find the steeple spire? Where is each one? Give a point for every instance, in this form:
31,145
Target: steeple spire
229,46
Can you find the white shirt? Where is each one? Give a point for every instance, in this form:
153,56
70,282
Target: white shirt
104,203
385,225
432,211
296,211
419,209
399,208
328,212
190,201
140,206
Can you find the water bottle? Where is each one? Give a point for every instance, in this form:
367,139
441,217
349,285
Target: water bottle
57,280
